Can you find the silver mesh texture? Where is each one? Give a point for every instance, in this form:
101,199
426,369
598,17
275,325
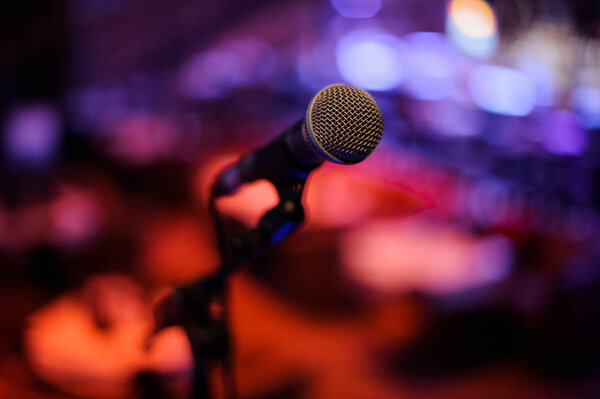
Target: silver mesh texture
345,122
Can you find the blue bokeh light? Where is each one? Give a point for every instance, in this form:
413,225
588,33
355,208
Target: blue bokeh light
502,90
370,59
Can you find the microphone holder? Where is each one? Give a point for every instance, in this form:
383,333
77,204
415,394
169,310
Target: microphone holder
202,306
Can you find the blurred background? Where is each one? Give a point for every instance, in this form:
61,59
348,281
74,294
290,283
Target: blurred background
459,261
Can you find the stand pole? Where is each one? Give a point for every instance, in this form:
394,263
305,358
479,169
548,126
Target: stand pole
202,307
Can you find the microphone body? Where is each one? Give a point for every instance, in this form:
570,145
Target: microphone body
343,124
286,157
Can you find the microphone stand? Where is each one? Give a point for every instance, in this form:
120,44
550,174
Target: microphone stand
202,306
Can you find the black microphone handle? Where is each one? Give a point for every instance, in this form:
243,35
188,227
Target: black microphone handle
287,157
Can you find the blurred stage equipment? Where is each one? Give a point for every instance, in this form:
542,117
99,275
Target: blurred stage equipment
343,124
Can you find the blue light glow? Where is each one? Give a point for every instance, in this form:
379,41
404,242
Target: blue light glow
357,8
370,59
502,90
586,103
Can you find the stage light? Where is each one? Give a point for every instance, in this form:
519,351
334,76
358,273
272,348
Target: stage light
472,26
316,66
416,254
370,60
357,8
502,90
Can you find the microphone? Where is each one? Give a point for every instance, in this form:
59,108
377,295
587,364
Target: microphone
343,124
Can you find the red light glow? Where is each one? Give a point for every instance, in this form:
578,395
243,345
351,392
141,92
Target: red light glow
69,349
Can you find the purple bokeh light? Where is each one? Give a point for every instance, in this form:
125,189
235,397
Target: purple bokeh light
32,134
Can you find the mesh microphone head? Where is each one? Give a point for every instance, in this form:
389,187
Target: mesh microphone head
343,123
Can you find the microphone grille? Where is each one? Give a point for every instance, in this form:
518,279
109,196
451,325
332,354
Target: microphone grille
345,122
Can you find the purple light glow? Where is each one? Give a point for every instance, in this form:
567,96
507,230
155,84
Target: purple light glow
543,78
357,8
564,134
32,134
142,138
472,27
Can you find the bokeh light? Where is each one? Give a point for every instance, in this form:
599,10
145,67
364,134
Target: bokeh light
564,134
472,26
502,90
357,8
236,63
370,59
543,78
431,66
473,224
586,103
32,135
418,254
76,217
